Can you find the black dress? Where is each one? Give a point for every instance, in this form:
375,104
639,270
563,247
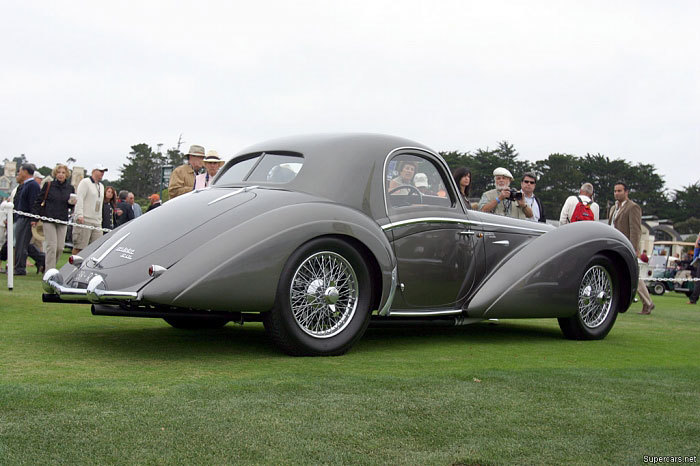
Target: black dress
107,216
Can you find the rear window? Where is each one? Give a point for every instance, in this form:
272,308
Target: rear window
263,167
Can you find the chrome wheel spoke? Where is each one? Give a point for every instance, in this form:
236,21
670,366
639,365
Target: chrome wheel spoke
595,296
323,294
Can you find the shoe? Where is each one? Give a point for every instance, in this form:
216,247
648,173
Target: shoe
689,302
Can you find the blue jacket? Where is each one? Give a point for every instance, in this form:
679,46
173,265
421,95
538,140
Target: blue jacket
26,196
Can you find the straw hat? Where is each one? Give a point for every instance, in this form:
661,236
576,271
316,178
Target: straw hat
195,150
213,156
38,232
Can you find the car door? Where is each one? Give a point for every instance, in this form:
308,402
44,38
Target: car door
432,239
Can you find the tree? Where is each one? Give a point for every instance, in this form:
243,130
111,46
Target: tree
141,173
691,225
20,160
646,186
175,157
44,170
686,203
559,177
484,161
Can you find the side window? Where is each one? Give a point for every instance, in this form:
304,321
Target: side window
414,182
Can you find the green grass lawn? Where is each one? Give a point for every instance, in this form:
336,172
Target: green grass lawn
75,388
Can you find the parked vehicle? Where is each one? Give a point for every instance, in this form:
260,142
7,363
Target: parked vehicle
317,235
665,272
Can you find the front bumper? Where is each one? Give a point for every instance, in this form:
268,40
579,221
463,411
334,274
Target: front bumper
96,291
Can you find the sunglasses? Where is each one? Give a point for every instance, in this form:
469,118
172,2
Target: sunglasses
528,182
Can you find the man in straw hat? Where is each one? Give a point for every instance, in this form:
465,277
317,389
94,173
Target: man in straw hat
182,178
212,163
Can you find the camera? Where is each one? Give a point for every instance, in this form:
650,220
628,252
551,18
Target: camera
514,195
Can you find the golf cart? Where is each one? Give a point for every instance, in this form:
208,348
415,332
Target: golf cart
665,271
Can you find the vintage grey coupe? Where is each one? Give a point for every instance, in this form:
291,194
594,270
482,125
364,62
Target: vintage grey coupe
317,235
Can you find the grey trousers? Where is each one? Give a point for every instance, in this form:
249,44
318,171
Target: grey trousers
22,246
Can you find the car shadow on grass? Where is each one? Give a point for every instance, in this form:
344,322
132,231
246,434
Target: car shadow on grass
164,342
482,333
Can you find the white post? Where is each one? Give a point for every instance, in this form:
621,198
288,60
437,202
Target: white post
10,246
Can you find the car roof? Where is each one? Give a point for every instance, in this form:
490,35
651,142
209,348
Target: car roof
343,167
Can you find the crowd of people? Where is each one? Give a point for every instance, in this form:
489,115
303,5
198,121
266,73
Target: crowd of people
96,208
625,215
92,206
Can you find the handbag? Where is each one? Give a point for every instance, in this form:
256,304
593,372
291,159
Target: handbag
42,210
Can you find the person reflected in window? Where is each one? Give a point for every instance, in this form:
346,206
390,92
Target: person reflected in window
407,170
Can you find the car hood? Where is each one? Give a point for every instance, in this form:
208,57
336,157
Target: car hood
165,235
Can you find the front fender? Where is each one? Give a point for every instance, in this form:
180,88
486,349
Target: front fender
543,277
239,269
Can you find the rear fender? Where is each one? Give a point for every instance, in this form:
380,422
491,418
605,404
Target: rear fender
239,269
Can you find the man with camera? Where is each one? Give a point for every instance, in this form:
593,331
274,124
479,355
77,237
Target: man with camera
503,200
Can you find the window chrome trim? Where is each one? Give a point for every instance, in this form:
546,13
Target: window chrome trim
439,159
401,223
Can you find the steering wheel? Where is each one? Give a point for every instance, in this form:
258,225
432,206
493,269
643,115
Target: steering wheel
412,191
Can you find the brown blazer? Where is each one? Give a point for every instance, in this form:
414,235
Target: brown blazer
628,222
181,180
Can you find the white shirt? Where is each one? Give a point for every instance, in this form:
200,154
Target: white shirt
570,205
203,180
90,197
534,206
618,208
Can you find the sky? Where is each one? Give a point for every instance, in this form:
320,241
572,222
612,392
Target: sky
90,79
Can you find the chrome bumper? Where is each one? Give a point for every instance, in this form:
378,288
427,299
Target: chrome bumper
96,291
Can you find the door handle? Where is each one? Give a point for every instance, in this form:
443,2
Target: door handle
504,242
467,233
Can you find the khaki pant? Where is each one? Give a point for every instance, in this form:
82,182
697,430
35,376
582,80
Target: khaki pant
643,293
55,239
84,236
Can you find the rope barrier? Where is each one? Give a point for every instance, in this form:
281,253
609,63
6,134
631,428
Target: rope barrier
62,222
680,280
8,208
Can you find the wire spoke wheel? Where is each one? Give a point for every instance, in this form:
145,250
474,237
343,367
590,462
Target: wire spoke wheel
323,299
323,294
597,301
595,296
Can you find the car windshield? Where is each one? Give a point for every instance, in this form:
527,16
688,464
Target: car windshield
263,168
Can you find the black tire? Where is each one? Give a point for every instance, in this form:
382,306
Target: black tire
306,321
195,323
598,302
658,288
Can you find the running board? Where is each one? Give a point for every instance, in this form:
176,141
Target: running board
382,321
